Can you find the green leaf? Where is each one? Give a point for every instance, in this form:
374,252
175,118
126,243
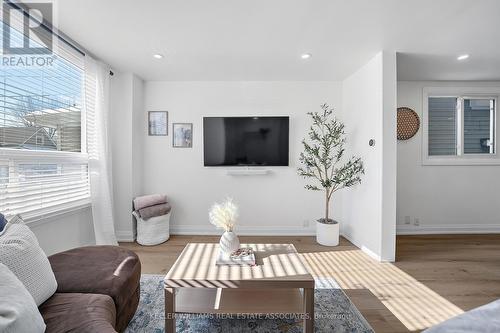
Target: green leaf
312,188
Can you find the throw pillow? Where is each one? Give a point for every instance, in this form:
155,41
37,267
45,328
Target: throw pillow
26,259
18,311
3,222
16,219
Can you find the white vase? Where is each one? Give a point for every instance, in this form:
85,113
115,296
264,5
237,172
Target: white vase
327,233
229,242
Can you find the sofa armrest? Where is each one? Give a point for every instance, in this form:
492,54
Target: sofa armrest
106,270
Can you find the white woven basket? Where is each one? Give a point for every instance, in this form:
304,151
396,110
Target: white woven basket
153,231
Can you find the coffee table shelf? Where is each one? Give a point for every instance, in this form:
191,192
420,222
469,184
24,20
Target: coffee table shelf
233,301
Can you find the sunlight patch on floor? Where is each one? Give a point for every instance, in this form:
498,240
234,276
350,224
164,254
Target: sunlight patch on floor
414,304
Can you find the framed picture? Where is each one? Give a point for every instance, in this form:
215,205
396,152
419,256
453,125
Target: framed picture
157,123
182,134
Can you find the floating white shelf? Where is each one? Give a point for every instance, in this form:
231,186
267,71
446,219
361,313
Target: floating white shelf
247,172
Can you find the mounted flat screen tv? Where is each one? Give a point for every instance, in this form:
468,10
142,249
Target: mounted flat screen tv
245,141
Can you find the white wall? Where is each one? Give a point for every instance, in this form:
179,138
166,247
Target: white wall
389,156
64,232
271,204
445,199
368,111
126,133
138,131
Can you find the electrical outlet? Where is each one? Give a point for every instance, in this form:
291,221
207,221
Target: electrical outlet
407,220
305,224
416,222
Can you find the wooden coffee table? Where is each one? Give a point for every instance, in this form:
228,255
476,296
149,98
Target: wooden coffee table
278,284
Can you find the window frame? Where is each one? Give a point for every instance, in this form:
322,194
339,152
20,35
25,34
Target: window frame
461,158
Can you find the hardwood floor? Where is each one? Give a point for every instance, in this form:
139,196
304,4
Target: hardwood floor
434,278
464,269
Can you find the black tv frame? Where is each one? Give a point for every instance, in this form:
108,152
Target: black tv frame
245,165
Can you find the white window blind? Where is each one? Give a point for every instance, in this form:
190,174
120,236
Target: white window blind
35,184
43,162
442,126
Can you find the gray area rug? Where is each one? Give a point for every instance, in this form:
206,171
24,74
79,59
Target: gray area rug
334,312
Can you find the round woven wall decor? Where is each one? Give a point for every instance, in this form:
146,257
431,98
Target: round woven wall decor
408,123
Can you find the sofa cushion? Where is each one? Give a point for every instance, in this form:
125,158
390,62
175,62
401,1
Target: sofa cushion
18,311
21,253
76,312
107,270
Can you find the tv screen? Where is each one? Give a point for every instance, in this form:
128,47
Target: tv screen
245,141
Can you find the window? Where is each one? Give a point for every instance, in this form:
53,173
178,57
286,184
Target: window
43,162
442,126
479,125
460,126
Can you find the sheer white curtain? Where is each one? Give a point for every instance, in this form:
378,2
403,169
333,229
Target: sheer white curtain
96,106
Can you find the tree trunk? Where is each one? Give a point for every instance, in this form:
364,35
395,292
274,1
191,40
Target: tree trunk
326,206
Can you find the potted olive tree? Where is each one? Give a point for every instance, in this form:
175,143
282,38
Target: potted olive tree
323,161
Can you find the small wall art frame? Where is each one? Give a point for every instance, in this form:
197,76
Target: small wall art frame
157,123
182,135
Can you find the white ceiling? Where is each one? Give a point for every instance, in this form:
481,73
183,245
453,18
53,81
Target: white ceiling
263,39
481,66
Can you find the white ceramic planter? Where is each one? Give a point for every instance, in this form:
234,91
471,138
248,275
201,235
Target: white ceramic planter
229,242
327,234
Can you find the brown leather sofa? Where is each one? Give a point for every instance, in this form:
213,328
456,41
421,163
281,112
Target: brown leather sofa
98,290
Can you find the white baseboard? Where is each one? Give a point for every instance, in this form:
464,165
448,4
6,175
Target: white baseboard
371,253
243,230
124,236
363,248
440,229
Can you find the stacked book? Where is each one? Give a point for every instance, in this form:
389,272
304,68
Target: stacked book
241,257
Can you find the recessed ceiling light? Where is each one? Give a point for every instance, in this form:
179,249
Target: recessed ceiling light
463,57
306,56
157,56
